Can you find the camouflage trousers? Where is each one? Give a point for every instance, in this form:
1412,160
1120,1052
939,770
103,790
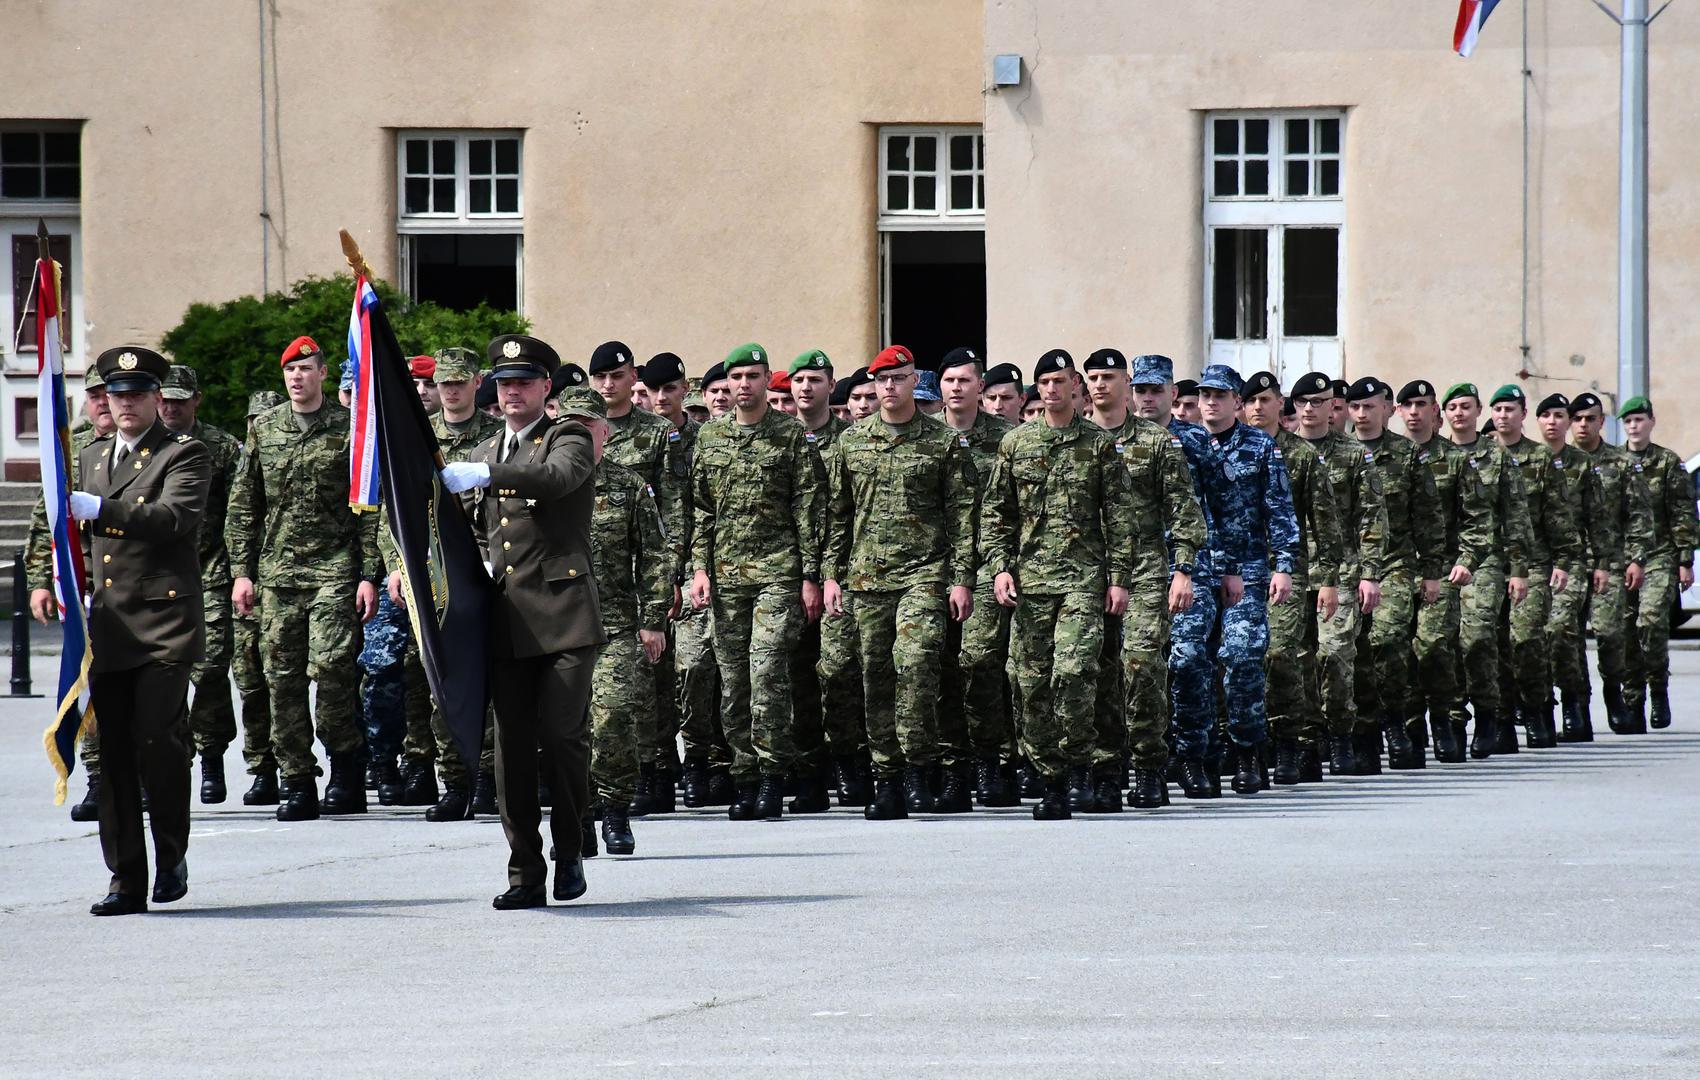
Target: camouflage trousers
1054,643
807,722
393,700
1132,714
1564,636
1290,669
1385,657
1649,613
428,740
1437,687
251,690
1478,640
843,707
902,636
658,739
1608,616
212,718
310,636
1337,661
622,699
697,682
1242,633
987,712
1525,663
754,629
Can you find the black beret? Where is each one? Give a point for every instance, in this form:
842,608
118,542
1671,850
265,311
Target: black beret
1551,402
566,375
610,355
1031,397
1054,361
1312,384
715,374
1289,409
1106,360
1416,388
840,395
958,357
486,394
1365,388
517,356
1585,401
1340,387
1257,383
662,369
1003,373
1186,388
859,377
131,368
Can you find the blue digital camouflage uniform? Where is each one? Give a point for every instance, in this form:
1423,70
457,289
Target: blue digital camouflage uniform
1242,478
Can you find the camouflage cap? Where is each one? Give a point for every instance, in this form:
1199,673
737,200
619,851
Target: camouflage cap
455,364
92,378
180,383
261,400
581,401
693,400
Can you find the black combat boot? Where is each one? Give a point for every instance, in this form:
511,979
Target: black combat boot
1196,780
484,794
1366,745
1148,790
263,791
696,783
89,808
1616,715
1507,731
617,830
664,790
300,800
1080,788
888,803
1401,752
1107,792
1286,772
721,789
1310,760
853,781
1485,742
212,778
1660,694
1447,749
1031,786
743,804
917,792
1053,805
389,785
587,839
1342,760
1577,727
956,796
1537,725
418,785
345,791
988,772
455,805
812,796
1635,716
1248,770
1004,785
770,798
640,790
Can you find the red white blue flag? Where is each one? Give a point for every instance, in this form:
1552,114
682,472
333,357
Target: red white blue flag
72,717
363,444
1472,14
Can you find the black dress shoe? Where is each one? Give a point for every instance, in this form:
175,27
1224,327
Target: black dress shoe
1286,772
1149,790
587,839
263,791
213,790
484,795
89,808
888,803
617,831
172,886
520,897
455,805
418,785
812,796
119,904
300,800
569,880
770,798
1054,804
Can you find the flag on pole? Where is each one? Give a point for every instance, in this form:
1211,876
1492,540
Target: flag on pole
72,717
1472,14
443,576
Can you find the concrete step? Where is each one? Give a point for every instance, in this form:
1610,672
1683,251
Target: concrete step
23,495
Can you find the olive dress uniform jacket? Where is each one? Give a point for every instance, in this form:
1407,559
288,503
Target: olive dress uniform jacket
533,525
145,569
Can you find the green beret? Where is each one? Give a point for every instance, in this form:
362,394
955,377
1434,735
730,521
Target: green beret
745,355
1637,404
1463,389
455,365
1509,392
813,360
581,401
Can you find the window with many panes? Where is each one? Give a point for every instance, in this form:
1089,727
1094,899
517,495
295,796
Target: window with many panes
1286,156
933,173
38,164
459,175
460,224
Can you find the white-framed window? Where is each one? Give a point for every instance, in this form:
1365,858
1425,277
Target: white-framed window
932,177
460,217
1275,228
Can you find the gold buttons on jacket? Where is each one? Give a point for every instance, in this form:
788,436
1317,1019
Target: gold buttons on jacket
109,583
141,498
510,570
572,573
506,545
171,594
504,521
106,558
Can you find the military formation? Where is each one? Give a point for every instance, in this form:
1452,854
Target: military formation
918,591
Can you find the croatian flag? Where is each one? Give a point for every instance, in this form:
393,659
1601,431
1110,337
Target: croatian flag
363,436
1471,15
72,717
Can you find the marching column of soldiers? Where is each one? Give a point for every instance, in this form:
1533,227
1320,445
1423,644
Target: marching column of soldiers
922,591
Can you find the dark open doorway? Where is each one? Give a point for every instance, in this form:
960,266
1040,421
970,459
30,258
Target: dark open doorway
936,292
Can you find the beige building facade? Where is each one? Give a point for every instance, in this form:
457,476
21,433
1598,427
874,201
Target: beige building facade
1269,183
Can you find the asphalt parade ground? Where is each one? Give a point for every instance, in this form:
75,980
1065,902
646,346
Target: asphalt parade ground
1528,916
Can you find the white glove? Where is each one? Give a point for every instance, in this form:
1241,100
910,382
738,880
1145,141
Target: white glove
459,476
85,507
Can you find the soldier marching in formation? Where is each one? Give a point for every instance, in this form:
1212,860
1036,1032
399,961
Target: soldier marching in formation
883,585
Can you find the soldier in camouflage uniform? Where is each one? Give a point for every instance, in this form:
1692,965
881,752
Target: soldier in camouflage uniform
1573,482
212,719
1295,716
975,719
1669,568
900,534
245,669
1057,530
1554,541
1621,538
292,533
647,444
38,564
1132,715
754,548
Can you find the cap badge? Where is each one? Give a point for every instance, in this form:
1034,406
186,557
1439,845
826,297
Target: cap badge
510,349
128,361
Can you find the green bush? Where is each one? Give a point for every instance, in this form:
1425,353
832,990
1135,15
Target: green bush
234,346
